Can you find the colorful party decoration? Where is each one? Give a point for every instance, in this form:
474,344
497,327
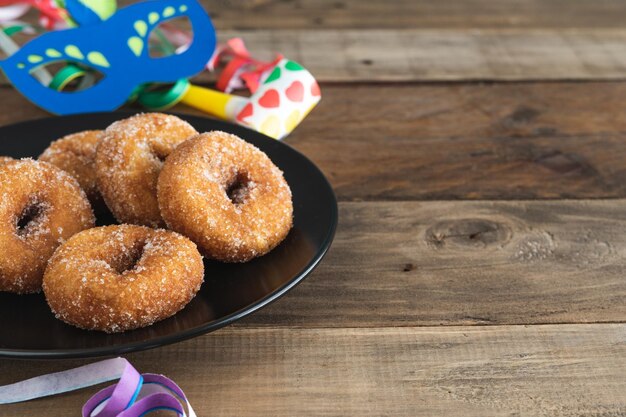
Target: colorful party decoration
117,44
279,104
276,107
51,14
242,71
134,395
118,48
59,14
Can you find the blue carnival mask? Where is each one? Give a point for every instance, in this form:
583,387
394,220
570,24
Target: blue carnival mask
117,48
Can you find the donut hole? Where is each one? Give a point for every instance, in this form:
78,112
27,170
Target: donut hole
238,188
161,157
30,218
160,154
128,259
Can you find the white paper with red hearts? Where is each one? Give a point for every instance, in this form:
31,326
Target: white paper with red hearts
287,95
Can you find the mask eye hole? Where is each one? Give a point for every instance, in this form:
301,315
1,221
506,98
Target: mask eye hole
170,37
67,76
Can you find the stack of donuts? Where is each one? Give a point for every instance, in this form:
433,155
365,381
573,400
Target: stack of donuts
178,195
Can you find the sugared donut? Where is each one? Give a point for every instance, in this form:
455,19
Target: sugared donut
128,161
76,155
40,207
225,195
117,278
5,159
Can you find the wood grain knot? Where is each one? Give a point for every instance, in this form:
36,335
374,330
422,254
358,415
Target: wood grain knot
521,115
467,233
563,163
408,267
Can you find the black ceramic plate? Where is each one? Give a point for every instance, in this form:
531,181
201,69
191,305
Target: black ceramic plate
230,291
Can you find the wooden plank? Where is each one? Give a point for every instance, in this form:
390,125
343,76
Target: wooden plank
460,141
461,14
443,52
579,44
405,40
563,370
444,55
462,263
485,141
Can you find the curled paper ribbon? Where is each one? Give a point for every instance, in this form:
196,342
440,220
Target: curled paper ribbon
13,11
134,395
55,14
242,70
51,15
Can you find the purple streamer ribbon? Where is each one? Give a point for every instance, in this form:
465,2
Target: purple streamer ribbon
134,395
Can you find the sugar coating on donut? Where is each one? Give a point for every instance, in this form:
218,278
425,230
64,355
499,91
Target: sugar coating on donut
227,196
122,277
41,206
129,158
76,155
5,159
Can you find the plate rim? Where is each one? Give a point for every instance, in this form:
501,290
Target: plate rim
207,327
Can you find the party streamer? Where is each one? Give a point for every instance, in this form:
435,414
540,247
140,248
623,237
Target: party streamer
275,108
118,46
134,395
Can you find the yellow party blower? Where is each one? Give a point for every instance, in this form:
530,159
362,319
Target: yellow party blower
280,103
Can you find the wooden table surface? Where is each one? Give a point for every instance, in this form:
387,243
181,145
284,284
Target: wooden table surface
478,152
